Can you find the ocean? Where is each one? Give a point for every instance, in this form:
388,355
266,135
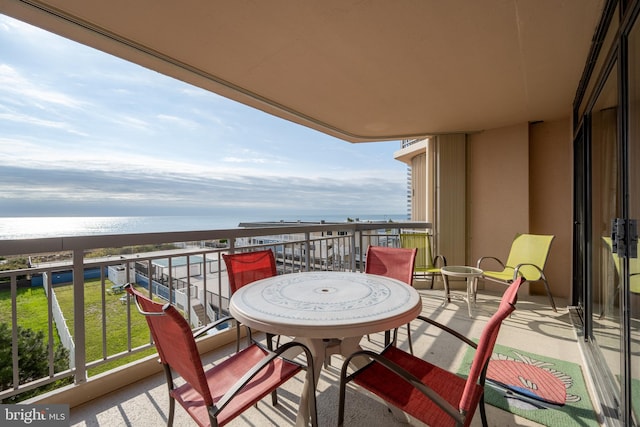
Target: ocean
41,227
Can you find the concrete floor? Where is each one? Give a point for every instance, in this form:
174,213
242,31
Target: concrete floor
533,327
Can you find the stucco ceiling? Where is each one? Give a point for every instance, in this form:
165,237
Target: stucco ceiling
355,69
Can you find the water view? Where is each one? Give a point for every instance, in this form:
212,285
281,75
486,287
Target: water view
42,227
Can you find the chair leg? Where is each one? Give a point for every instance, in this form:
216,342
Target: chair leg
274,394
341,398
432,279
172,408
447,296
483,412
551,301
409,338
172,401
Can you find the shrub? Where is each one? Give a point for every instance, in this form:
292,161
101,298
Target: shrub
34,356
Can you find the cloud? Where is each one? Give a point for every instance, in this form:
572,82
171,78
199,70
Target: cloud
85,133
177,121
32,121
14,84
151,193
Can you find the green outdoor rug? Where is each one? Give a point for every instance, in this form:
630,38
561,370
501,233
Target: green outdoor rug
544,377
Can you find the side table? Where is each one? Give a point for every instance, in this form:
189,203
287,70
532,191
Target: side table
469,273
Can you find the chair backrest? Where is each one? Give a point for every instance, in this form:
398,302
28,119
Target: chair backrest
634,267
614,256
247,267
530,249
396,263
174,341
488,340
422,242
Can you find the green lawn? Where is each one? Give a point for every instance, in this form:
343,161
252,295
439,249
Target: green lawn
116,323
32,313
32,309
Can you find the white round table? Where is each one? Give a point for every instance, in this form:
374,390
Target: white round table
470,274
325,306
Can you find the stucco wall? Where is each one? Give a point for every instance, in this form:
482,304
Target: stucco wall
518,181
551,200
497,190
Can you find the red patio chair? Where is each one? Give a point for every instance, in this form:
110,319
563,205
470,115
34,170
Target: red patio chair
246,267
427,392
396,263
216,396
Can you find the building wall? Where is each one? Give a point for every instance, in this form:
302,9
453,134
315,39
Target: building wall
518,182
450,223
420,180
497,190
551,201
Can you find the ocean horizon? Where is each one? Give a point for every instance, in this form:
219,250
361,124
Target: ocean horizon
12,228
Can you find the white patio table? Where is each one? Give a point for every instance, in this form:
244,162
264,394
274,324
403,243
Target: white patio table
470,274
325,306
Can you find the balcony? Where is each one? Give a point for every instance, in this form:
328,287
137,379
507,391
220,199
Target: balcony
125,386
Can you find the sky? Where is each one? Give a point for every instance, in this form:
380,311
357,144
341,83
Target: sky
83,133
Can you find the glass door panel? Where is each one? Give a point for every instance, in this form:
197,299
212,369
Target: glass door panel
605,206
633,291
580,222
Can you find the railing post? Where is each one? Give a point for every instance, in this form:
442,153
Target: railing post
78,316
352,255
362,251
170,269
187,307
307,249
14,332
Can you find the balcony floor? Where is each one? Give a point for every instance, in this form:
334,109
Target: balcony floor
533,327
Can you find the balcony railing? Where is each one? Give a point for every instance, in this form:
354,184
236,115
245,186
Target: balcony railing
190,275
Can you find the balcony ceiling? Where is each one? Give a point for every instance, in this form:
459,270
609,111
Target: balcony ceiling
355,69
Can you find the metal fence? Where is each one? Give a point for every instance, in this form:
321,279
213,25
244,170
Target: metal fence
192,276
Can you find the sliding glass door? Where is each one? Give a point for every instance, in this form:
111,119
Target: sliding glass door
605,208
632,285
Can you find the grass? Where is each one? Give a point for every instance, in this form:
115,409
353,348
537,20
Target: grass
32,313
31,310
116,320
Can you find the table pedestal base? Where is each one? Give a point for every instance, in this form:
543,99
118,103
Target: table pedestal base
321,349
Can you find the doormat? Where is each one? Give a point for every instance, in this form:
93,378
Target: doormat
543,377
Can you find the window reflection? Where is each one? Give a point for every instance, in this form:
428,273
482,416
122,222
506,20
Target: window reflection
634,211
605,193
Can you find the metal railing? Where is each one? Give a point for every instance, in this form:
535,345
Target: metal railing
192,276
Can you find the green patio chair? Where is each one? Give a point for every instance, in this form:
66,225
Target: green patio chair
634,269
426,265
527,258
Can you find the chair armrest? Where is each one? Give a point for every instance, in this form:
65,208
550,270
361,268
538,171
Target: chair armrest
516,270
205,328
271,355
489,257
450,331
441,258
405,375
